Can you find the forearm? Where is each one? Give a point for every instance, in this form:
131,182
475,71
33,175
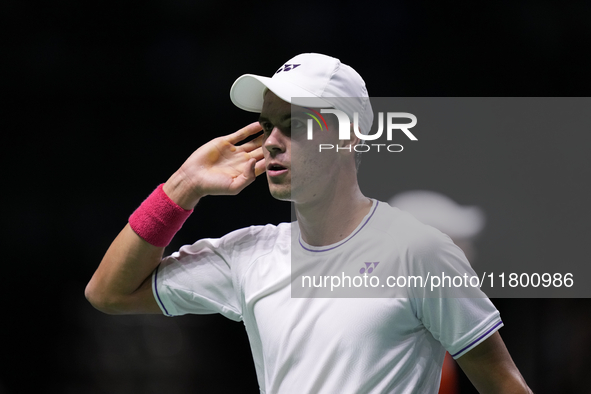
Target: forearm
120,284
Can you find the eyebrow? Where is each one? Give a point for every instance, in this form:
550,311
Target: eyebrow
282,119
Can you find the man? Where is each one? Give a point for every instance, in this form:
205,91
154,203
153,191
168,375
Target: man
304,344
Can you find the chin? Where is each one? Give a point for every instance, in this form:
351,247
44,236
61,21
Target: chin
279,193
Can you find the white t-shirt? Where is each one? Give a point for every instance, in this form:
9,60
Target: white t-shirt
333,345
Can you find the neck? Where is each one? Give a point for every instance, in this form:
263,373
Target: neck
333,218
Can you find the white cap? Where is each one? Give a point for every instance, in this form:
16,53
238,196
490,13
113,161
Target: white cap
441,212
322,80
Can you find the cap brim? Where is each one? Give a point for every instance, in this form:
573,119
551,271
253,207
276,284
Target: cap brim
248,91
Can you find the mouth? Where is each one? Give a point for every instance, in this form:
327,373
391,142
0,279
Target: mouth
275,169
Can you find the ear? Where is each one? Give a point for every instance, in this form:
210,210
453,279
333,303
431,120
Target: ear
352,141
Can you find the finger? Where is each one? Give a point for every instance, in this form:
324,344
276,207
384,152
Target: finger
252,145
243,133
260,167
257,154
250,170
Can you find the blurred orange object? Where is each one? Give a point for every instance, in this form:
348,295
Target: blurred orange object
449,376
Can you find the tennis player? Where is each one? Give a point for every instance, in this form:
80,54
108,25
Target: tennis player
306,344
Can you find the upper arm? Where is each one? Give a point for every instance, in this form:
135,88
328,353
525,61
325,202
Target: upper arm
491,369
141,301
122,283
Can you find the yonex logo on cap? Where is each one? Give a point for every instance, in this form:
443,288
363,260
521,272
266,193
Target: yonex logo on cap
287,67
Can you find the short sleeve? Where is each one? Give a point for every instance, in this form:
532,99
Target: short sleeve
197,280
458,315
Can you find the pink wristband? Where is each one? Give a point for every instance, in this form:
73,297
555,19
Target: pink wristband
158,219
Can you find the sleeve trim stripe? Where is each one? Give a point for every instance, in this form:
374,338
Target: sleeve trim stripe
478,339
157,294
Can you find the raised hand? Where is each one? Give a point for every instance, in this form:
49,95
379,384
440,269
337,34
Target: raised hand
220,167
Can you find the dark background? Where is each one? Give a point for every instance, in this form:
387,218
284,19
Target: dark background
102,102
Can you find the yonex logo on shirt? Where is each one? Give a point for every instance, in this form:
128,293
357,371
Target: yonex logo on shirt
368,268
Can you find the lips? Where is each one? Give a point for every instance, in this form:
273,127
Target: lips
276,169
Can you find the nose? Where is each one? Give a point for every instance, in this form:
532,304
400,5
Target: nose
275,142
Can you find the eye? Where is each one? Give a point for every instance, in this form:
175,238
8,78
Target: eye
297,124
267,127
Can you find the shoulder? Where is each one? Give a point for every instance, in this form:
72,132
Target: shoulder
406,231
252,239
268,234
422,248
